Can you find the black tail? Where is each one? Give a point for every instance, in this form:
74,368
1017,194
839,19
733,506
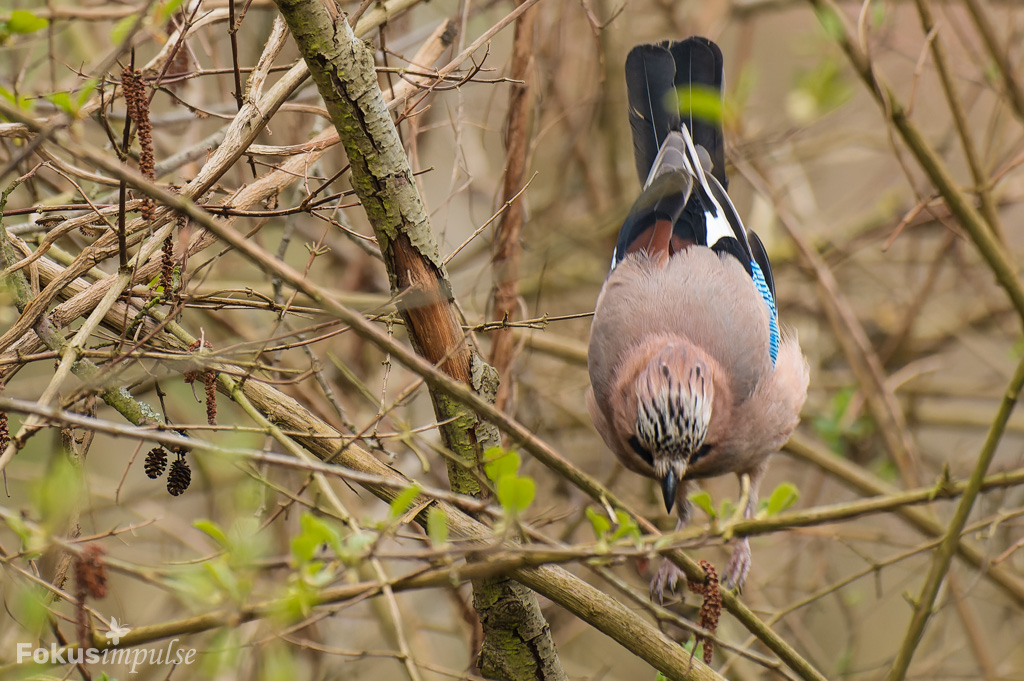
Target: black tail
698,62
660,77
650,82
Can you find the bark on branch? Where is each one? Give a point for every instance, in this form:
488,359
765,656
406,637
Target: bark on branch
517,640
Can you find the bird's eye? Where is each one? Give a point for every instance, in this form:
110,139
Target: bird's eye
704,450
641,451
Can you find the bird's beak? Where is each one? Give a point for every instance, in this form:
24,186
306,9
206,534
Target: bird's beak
668,488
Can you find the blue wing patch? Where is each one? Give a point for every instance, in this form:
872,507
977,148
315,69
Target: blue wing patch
773,314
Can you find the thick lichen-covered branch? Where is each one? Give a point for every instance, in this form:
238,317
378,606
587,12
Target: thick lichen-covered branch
518,647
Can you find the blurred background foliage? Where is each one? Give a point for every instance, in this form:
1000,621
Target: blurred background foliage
805,140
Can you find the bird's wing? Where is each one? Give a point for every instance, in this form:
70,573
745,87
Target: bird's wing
649,225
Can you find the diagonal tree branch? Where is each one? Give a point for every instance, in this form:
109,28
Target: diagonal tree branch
1004,269
517,640
947,549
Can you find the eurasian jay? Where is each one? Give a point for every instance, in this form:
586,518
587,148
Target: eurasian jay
690,376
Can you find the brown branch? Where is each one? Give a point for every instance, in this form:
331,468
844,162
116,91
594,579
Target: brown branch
963,127
997,258
943,557
507,250
999,54
517,639
865,483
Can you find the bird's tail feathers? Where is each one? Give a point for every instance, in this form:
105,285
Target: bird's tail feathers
673,157
698,83
651,90
672,84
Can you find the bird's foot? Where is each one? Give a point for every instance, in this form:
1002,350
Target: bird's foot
739,565
669,575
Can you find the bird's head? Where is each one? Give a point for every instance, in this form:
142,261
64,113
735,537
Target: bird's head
674,396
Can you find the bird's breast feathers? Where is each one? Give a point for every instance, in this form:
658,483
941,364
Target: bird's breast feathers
708,299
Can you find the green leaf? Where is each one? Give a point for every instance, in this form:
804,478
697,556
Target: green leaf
299,601
887,470
165,10
437,526
25,22
831,22
828,429
19,101
853,597
835,428
499,463
318,575
278,663
315,532
58,492
627,527
993,76
702,102
403,501
878,14
841,401
119,33
692,646
83,94
846,658
352,551
819,91
515,493
703,501
62,100
321,529
247,543
20,527
225,577
599,522
69,105
29,607
214,531
492,453
222,652
782,497
196,584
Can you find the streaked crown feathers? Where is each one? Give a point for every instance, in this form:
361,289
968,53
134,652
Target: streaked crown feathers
674,397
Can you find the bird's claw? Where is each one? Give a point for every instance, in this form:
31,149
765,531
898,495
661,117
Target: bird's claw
738,567
669,574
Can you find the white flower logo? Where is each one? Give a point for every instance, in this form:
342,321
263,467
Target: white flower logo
116,631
